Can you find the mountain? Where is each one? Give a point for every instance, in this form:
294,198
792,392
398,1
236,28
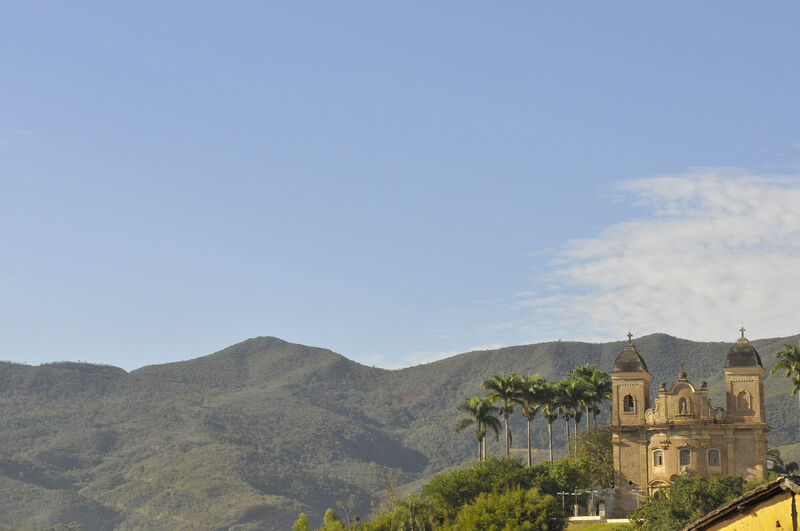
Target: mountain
248,437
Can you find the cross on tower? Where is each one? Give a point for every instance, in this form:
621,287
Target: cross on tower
630,337
742,330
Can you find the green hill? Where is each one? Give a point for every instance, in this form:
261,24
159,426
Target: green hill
248,437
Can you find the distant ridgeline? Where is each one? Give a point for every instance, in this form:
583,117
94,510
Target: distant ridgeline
258,432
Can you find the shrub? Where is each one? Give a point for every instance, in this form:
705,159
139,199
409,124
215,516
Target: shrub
511,510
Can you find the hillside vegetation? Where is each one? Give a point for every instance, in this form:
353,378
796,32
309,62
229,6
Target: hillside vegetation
250,436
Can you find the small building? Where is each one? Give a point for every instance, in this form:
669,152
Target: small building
683,432
773,505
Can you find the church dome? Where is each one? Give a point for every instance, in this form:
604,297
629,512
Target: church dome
629,360
742,354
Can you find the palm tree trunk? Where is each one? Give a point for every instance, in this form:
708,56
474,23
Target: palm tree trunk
587,418
479,450
529,443
484,447
569,443
550,436
508,442
575,438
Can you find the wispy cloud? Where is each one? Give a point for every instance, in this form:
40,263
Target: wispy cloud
719,246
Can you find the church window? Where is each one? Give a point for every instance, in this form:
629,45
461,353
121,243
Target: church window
743,400
713,457
658,458
628,405
683,407
686,457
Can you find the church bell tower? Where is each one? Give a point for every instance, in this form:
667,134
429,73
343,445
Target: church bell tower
630,388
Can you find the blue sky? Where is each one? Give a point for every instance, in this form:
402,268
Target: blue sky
395,182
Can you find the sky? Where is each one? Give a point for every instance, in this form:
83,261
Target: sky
398,182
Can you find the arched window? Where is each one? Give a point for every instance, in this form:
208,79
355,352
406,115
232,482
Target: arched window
743,400
683,407
628,405
713,457
686,457
658,458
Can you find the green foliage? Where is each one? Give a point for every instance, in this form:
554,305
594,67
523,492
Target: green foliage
515,509
448,491
789,361
331,521
446,498
481,415
301,524
252,435
595,447
598,527
572,474
687,499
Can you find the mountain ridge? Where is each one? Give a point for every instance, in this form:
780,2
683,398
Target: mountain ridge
249,436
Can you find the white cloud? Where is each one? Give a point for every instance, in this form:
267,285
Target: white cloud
721,246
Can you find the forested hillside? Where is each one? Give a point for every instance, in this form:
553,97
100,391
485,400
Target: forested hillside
250,436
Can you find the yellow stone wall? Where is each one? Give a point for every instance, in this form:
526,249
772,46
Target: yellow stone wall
780,510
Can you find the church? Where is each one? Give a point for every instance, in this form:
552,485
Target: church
682,431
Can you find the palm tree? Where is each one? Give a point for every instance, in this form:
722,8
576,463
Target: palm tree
566,405
789,360
548,393
530,401
576,418
481,414
598,388
504,389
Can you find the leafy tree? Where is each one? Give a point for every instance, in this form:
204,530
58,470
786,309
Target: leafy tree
789,360
504,389
332,521
482,415
446,495
596,448
515,509
448,491
301,524
688,498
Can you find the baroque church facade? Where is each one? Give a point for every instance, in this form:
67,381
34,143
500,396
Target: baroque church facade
682,431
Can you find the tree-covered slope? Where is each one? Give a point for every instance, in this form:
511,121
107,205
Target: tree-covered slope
249,436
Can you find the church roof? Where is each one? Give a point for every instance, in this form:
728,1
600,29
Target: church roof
629,360
747,503
742,354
